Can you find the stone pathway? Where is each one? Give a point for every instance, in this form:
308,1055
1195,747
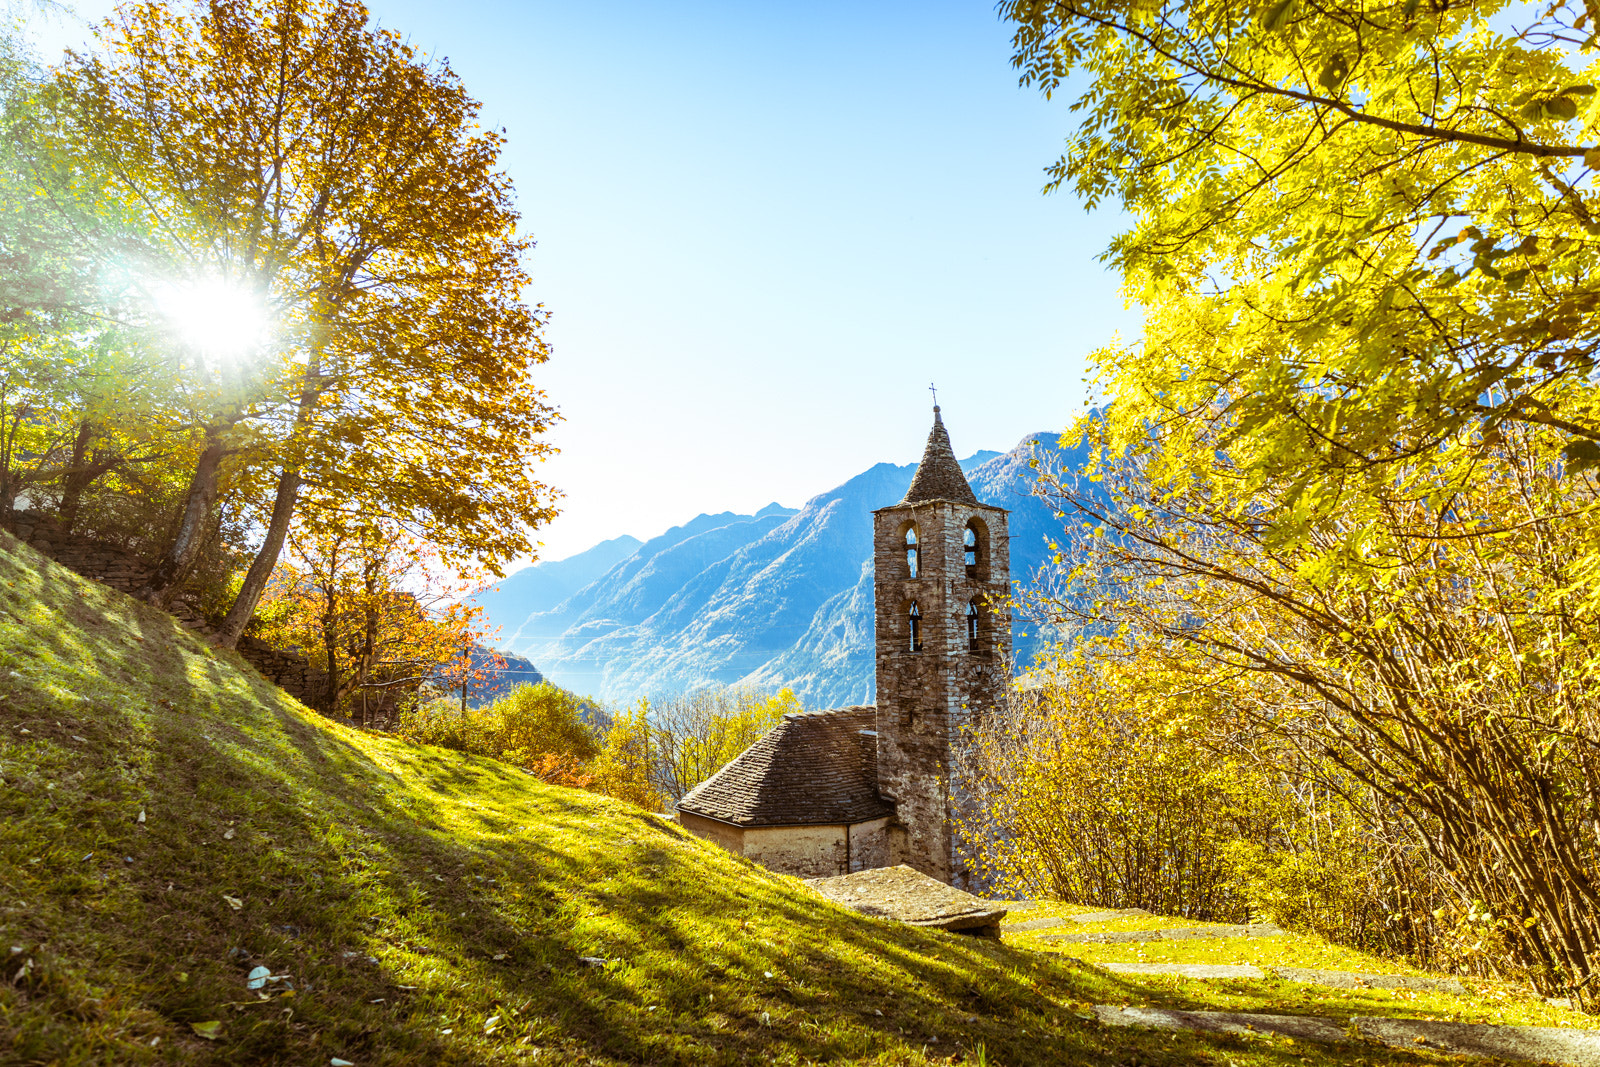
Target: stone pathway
1179,933
1332,979
1554,1044
1187,970
1357,980
1111,916
1303,1027
1546,1044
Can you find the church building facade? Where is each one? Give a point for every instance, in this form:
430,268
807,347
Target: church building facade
847,789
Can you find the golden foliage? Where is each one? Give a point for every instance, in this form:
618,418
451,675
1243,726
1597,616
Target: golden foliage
540,728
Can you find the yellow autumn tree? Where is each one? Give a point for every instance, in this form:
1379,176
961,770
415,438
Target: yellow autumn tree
625,767
376,609
290,155
694,734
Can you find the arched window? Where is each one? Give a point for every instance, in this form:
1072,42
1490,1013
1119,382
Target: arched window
914,619
969,541
972,625
911,550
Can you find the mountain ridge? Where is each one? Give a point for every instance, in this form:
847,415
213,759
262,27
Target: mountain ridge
779,598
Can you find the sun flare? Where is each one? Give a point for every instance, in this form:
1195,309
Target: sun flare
219,320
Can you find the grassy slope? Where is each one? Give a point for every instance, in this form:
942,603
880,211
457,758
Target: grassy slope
412,895
1487,1002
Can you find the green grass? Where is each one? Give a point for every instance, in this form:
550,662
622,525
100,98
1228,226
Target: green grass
1486,1002
429,907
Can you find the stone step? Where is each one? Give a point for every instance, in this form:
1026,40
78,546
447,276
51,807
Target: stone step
1333,979
1179,933
1301,1027
1110,916
1543,1044
1187,970
1358,980
1031,924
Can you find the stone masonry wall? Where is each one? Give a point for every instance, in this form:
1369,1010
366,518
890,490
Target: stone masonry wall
926,697
803,851
124,571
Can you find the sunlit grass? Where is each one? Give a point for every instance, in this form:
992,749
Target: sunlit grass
1487,1002
428,907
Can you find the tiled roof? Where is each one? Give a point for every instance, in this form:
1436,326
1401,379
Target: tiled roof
939,474
813,768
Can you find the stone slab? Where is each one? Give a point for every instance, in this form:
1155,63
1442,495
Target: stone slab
1180,933
1189,933
1300,1027
911,897
1547,1044
1188,970
1110,916
1357,980
1107,937
1032,924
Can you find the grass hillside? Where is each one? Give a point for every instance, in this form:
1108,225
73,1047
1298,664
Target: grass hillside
169,823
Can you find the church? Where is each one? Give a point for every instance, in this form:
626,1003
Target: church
831,792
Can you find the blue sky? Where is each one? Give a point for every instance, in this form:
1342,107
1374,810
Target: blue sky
762,230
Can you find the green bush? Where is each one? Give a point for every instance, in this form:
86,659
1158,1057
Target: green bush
522,727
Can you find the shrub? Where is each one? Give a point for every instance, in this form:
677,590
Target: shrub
524,727
1088,796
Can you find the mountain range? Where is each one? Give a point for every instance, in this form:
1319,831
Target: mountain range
779,598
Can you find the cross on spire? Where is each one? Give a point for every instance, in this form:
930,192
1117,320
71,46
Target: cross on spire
935,393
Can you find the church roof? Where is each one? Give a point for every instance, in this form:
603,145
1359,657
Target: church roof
814,768
939,474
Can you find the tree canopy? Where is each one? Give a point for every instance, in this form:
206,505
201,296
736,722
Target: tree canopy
1364,233
1346,483
309,161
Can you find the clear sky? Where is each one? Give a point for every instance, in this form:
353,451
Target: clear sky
763,228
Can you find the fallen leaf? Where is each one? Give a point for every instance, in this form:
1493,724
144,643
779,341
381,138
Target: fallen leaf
83,740
258,978
141,815
233,902
227,835
208,1030
499,955
489,1024
337,1062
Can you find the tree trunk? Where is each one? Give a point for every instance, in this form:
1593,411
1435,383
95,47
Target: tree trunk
80,475
330,644
369,633
161,584
255,580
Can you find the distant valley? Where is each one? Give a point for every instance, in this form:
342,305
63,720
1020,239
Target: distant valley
779,598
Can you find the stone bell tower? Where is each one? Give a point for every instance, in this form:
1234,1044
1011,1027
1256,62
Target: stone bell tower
942,571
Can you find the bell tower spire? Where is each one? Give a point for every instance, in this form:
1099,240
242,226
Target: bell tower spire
941,574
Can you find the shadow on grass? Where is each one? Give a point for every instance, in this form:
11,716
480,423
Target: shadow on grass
384,879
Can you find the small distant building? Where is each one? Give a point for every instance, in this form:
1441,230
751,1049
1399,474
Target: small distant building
831,792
